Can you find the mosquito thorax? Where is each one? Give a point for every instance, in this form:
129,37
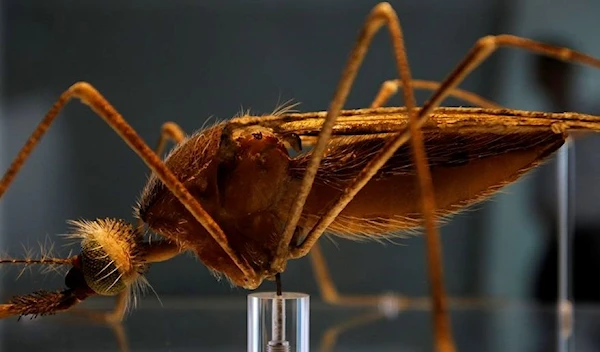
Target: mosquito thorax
253,165
239,174
109,255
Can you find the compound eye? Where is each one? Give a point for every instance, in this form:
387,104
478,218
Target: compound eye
100,271
109,255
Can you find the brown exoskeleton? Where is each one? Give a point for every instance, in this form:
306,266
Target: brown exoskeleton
233,195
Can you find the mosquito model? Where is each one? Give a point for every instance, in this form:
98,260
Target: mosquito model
234,196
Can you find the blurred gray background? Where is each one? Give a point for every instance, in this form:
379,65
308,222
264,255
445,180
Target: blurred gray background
186,61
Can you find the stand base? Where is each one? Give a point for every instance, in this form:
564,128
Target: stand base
278,323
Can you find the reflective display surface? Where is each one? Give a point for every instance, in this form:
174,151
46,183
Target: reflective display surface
220,325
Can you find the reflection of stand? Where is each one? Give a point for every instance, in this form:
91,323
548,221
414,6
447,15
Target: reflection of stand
278,323
564,307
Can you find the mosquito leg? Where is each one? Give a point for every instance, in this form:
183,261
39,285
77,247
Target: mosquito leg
329,292
170,131
330,336
115,316
482,49
382,14
389,88
331,295
91,97
118,313
121,336
113,319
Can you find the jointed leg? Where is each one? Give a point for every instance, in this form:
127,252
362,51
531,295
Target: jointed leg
330,336
381,15
327,287
117,315
91,97
389,88
113,319
170,131
483,48
330,294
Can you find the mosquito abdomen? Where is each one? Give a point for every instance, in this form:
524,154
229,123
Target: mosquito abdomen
465,170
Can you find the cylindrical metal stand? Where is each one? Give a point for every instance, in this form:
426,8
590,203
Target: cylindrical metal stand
565,314
278,323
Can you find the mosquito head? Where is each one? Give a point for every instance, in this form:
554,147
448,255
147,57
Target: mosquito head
110,259
110,262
